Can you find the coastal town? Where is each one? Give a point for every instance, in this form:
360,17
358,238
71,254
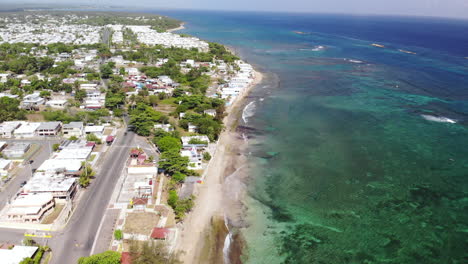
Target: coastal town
109,123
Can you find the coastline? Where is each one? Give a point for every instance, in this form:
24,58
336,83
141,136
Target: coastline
177,28
204,231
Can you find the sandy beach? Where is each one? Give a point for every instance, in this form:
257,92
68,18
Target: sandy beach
177,28
203,232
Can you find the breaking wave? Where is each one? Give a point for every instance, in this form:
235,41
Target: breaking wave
248,112
440,119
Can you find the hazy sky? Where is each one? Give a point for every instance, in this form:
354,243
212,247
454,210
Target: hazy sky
443,8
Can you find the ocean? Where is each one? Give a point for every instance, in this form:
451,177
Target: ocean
358,153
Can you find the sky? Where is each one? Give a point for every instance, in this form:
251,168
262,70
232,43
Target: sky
439,8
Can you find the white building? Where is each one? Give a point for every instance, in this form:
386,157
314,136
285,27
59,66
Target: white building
49,129
58,186
195,159
96,130
30,207
7,128
26,130
16,150
59,104
69,167
16,254
186,141
164,127
73,129
32,100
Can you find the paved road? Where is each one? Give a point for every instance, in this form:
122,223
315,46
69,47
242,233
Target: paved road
12,187
77,239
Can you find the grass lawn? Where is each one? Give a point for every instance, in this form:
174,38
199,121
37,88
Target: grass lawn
140,223
52,216
92,157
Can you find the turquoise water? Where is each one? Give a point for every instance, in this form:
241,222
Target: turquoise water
359,153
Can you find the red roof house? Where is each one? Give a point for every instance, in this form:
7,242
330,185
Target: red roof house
160,233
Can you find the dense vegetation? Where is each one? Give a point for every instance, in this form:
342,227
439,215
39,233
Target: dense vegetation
9,110
107,257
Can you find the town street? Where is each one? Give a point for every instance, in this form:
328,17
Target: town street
24,174
77,239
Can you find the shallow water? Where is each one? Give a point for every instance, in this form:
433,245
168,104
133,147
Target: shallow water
346,166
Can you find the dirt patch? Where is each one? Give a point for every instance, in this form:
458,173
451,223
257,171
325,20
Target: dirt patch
52,216
140,223
35,117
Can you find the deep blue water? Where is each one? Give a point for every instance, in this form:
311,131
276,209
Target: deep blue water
360,153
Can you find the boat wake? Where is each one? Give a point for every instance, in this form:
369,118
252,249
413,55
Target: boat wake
440,119
354,61
316,48
248,112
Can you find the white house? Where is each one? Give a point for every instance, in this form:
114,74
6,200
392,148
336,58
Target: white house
59,104
4,77
49,129
195,159
210,112
186,141
164,127
73,129
16,150
32,100
27,129
7,128
96,130
16,254
192,128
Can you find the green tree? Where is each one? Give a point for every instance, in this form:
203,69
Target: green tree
107,257
106,71
167,143
118,235
85,176
171,161
93,138
56,146
178,177
9,109
80,95
206,156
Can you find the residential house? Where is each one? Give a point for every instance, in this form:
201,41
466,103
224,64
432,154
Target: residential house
7,128
59,104
32,101
17,254
73,129
195,159
210,112
164,127
96,130
202,141
16,150
49,129
26,130
192,128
